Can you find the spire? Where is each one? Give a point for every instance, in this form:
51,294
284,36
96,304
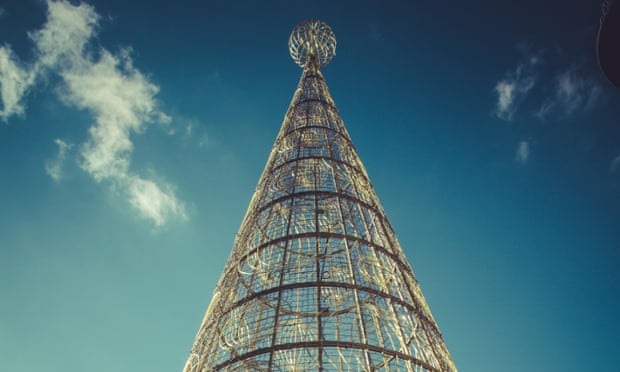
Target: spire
317,280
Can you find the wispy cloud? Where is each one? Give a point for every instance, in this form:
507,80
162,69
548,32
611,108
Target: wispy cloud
194,129
572,93
522,154
119,97
189,129
54,167
554,91
193,132
514,87
2,11
204,141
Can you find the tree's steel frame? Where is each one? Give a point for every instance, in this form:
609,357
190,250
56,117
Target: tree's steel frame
317,280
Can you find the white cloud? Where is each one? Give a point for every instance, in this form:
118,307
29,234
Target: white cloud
121,100
523,152
575,92
572,93
119,97
2,12
194,132
513,88
61,41
14,83
505,92
152,201
55,166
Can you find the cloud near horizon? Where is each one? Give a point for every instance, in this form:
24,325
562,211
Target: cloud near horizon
119,97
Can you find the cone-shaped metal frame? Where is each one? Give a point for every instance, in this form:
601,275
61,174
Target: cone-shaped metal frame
316,280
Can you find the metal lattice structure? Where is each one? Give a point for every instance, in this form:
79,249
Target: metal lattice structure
317,280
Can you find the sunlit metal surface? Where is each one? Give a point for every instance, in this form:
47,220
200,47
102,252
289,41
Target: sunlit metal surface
316,280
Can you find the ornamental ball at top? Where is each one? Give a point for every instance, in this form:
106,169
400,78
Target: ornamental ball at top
312,40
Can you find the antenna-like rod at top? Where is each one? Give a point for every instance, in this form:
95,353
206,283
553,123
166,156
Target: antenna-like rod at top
312,40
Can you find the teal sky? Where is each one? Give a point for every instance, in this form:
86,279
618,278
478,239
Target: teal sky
132,135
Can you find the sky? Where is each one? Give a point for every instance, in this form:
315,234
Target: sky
133,133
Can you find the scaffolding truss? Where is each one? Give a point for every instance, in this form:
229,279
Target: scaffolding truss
317,280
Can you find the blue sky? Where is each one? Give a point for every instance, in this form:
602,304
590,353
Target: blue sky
132,135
